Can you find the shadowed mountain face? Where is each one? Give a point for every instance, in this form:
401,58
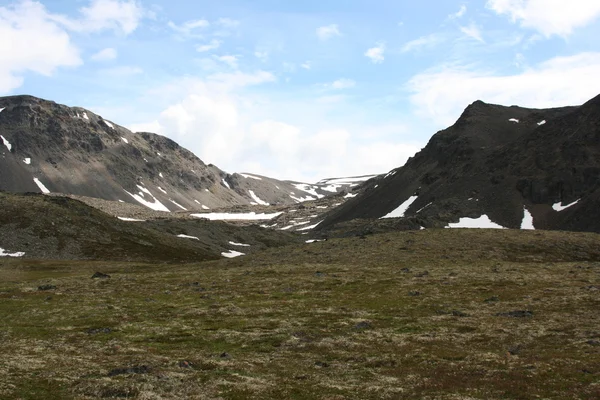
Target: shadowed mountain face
51,147
503,162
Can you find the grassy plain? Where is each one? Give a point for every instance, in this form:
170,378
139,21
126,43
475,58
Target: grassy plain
435,314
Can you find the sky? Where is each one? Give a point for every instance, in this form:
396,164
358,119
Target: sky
300,90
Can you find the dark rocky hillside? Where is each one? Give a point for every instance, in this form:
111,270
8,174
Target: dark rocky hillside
50,147
506,163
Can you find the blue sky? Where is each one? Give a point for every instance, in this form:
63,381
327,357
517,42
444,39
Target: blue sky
299,89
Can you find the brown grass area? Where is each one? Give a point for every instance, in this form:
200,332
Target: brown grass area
342,319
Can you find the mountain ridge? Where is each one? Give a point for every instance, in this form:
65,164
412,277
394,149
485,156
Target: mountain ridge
50,147
498,161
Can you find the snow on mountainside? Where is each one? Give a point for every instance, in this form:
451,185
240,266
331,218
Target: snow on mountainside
497,166
52,148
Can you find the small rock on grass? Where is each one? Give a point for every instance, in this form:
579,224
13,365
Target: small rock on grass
100,275
46,287
361,326
516,314
95,331
138,369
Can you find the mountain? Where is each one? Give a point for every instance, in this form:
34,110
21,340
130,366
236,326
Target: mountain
499,166
48,147
55,227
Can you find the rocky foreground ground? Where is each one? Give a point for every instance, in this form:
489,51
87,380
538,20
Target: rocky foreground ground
435,314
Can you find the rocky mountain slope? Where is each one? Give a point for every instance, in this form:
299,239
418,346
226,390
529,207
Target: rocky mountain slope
496,166
48,147
55,227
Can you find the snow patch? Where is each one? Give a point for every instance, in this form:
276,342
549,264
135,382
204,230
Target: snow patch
399,212
108,124
514,120
314,240
3,252
238,244
558,207
160,174
527,222
225,183
2,109
251,177
39,184
187,237
6,143
27,160
350,195
345,181
541,123
308,189
331,188
125,140
482,222
154,205
238,217
161,189
85,116
131,219
232,254
178,205
391,173
158,154
205,207
257,199
302,199
310,227
424,208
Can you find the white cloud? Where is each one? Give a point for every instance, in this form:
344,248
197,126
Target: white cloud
240,79
342,83
31,41
230,60
189,28
118,15
105,55
262,55
212,45
329,31
376,53
549,17
223,123
228,23
122,71
288,67
473,32
423,42
461,12
153,127
441,95
306,65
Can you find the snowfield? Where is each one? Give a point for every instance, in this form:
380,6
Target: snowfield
236,216
482,222
399,212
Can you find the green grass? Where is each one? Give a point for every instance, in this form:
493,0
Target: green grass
335,320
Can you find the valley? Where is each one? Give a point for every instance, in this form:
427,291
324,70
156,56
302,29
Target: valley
150,282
